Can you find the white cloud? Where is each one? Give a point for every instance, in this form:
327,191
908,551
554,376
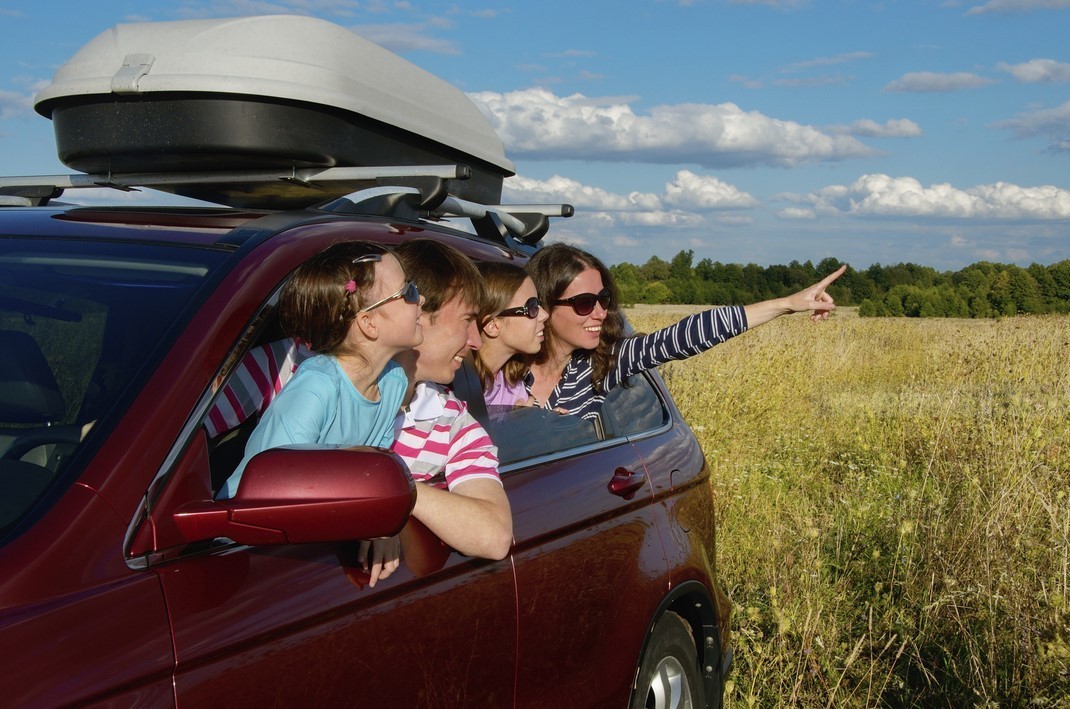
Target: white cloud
399,37
1038,71
883,196
730,219
536,124
686,191
687,201
1051,123
660,219
866,128
689,190
559,189
1018,6
796,213
13,105
931,82
644,200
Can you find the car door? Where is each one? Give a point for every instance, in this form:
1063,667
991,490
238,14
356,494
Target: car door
289,624
299,623
587,554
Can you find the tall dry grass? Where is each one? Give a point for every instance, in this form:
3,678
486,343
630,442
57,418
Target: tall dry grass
893,512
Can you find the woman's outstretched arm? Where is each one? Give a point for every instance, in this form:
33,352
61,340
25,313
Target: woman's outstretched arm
813,299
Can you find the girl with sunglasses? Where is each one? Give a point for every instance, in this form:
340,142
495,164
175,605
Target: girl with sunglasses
586,351
511,324
353,306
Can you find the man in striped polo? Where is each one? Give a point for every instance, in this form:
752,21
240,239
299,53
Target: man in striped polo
459,495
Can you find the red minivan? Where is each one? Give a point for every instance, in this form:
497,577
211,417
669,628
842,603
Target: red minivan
123,581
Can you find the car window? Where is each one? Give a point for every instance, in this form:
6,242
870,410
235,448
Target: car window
256,371
528,432
79,322
633,408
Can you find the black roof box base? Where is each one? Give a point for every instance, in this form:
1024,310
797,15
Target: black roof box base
184,132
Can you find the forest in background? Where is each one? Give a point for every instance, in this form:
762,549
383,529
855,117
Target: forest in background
981,290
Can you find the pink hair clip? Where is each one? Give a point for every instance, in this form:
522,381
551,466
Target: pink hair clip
351,286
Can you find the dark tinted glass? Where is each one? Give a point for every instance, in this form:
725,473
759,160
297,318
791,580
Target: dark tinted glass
80,325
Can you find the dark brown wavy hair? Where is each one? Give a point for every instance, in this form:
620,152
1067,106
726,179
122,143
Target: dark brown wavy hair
553,268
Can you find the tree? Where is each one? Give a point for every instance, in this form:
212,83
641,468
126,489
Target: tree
704,269
656,292
655,269
683,290
680,266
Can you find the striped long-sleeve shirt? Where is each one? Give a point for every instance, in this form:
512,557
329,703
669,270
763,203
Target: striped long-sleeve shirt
575,393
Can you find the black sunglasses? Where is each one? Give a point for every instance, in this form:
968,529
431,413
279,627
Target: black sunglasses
409,293
530,309
583,303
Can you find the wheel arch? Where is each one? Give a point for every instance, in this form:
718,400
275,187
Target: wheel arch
693,602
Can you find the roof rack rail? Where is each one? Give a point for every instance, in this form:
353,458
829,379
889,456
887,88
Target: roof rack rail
518,226
407,191
37,190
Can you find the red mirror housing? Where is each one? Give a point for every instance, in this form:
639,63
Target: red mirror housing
301,495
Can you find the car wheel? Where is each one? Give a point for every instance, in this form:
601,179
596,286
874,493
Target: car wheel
669,675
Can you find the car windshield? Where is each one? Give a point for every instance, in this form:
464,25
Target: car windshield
79,323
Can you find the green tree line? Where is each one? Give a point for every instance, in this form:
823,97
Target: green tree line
981,290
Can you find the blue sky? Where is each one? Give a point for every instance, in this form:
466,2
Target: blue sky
757,131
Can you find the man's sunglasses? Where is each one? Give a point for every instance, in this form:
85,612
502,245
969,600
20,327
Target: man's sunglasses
409,293
583,303
530,309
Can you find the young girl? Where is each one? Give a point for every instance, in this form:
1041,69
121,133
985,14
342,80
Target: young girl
512,325
354,307
585,351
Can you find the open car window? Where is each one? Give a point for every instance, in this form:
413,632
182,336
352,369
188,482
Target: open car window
530,432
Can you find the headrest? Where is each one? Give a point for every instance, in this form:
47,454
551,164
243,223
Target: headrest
28,389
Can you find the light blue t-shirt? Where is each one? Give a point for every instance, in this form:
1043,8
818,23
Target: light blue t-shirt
320,405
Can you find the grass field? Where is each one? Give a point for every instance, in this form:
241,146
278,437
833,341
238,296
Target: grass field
893,512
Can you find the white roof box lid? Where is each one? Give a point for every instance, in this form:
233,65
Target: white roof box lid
285,60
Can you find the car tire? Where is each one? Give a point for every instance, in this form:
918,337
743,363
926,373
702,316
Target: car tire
669,675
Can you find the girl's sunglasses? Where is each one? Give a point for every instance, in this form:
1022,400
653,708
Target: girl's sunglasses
409,293
583,304
530,309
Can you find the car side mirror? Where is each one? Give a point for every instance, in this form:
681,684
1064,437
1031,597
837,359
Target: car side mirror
301,496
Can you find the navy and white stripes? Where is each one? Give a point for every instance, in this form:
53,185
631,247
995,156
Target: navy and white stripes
691,336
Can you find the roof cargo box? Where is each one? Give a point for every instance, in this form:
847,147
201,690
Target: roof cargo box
272,92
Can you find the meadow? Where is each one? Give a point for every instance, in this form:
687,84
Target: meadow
893,505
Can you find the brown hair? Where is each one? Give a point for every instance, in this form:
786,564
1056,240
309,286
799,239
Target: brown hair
317,307
553,268
501,281
441,272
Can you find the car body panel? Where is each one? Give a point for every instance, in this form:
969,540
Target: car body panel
572,535
215,622
76,624
402,643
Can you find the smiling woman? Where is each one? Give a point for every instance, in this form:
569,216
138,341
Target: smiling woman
586,352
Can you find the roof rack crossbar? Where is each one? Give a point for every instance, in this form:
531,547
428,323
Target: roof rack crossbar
301,176
456,207
515,225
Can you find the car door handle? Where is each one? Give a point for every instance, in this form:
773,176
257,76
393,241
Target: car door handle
625,483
